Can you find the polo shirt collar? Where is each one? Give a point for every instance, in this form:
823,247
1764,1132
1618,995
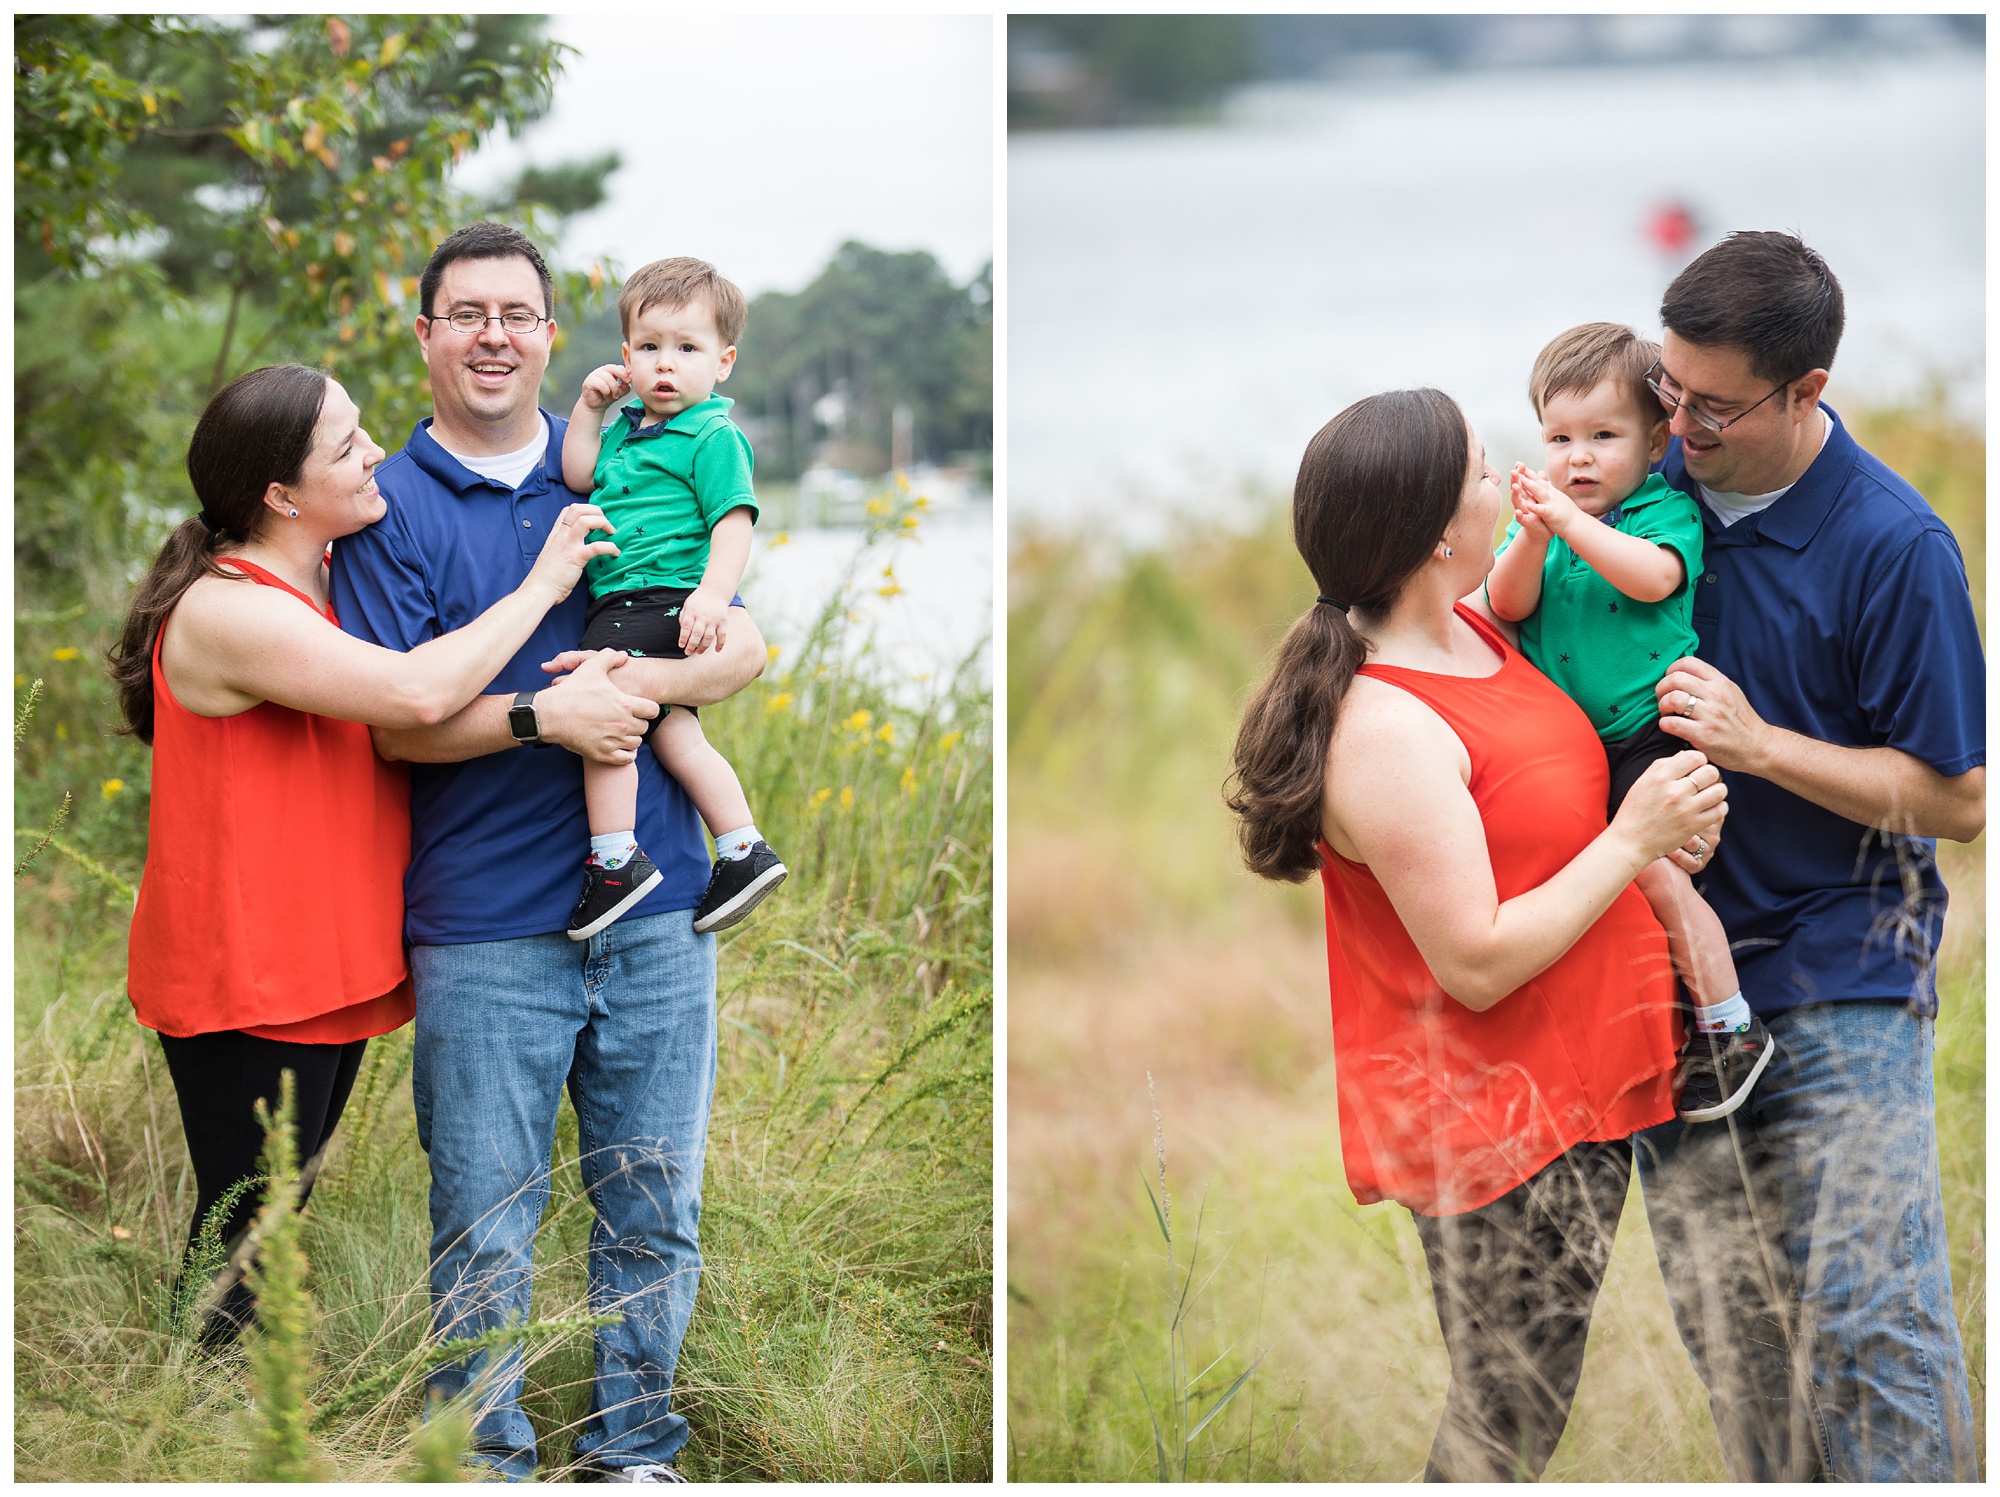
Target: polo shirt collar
1796,516
688,420
429,454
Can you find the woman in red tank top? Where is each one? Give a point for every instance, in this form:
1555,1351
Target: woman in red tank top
1502,995
268,933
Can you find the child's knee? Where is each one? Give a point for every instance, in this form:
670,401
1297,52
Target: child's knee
678,735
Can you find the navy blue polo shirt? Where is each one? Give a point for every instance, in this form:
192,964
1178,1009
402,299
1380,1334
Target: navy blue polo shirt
497,842
1843,613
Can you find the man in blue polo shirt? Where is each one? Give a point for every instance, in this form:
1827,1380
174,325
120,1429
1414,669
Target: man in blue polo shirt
509,1009
1841,688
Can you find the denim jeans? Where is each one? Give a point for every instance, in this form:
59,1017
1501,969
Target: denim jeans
1802,1242
627,1020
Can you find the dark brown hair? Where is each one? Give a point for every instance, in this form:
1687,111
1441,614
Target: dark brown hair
1578,361
484,241
1765,293
254,432
1376,489
676,283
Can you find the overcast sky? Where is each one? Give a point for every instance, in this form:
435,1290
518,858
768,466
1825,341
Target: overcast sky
761,142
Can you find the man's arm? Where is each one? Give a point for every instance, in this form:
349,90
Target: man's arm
698,681
1880,787
584,712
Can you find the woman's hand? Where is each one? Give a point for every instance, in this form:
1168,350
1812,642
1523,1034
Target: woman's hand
1676,809
568,548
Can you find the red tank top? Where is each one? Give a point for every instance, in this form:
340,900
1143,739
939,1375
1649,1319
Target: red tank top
1445,1109
272,899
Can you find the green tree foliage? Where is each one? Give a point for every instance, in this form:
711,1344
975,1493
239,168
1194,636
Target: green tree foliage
195,196
879,329
1134,67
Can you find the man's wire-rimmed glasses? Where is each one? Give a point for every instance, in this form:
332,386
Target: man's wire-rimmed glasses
517,322
1700,417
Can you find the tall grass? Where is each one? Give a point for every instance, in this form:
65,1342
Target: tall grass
843,1329
1138,945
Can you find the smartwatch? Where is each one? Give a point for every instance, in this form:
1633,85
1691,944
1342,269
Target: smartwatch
522,722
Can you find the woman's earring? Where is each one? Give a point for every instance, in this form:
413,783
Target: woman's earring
1447,549
295,514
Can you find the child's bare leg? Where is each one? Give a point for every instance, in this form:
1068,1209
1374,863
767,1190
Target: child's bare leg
611,797
684,753
1695,938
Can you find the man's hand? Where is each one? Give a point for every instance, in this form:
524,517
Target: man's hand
1877,786
588,715
704,620
1707,710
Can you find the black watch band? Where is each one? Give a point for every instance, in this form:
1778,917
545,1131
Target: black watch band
522,722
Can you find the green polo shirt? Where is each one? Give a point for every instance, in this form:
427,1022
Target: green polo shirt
1605,650
664,486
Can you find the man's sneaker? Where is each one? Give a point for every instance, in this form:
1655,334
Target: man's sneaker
737,886
1717,1070
651,1471
610,892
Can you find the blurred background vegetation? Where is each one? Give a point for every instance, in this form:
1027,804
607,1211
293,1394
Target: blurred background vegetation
198,196
1081,71
1159,997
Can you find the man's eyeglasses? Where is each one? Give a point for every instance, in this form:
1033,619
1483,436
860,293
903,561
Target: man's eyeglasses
465,320
1673,402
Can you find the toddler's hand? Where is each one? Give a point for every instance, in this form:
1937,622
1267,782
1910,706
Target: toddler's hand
1534,494
704,621
605,385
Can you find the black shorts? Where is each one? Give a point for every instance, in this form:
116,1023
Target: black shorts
642,621
1629,757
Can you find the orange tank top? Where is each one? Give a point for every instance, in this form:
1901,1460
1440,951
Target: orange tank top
1445,1109
272,899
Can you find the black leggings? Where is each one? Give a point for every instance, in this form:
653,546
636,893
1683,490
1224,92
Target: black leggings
1514,1284
219,1079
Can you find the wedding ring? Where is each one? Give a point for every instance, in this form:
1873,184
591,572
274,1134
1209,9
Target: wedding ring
1700,848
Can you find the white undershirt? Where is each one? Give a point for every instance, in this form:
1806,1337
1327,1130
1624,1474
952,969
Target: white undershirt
1729,508
509,467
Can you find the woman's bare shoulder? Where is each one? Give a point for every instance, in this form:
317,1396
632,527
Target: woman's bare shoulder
1388,749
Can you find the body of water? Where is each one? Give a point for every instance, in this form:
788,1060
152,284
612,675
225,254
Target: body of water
940,609
1187,306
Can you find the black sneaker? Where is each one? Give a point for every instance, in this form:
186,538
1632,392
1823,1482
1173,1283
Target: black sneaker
1717,1071
610,892
649,1471
737,886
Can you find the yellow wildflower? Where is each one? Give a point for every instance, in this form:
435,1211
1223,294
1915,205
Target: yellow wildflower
878,506
111,787
770,654
779,702
846,797
819,798
909,782
782,538
67,652
860,721
887,732
950,741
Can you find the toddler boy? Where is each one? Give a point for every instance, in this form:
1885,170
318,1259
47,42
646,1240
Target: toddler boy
672,473
1597,568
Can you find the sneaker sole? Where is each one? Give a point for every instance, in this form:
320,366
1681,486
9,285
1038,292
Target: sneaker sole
744,902
1729,1104
586,932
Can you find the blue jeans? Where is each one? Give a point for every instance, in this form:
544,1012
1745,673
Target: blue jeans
627,1020
1802,1242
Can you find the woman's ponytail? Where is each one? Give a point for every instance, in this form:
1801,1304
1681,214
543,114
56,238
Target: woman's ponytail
1282,746
1377,486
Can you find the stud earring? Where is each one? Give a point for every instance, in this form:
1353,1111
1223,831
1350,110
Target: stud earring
295,514
1447,549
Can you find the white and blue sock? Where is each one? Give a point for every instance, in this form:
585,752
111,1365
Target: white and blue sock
1727,1017
613,849
736,844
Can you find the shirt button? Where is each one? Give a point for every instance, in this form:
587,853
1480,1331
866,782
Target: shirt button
527,524
1709,578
